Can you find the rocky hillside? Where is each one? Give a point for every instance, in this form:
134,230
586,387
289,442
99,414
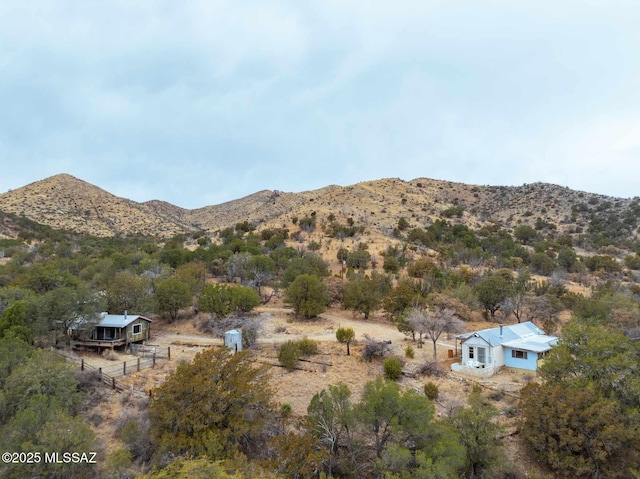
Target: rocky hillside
65,202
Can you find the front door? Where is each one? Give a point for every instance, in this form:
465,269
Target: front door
482,356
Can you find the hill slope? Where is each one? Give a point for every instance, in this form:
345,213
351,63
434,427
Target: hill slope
65,202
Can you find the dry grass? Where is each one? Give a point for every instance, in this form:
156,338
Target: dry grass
298,387
63,201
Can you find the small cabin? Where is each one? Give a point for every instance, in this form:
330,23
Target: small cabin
116,330
520,346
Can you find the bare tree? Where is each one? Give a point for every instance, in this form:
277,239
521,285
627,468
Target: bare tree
236,266
434,323
514,304
542,311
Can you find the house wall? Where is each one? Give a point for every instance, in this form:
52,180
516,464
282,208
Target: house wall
493,356
142,335
530,364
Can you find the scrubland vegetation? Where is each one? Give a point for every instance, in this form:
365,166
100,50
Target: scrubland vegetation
216,416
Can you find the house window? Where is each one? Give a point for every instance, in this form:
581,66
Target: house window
470,352
137,328
482,358
518,354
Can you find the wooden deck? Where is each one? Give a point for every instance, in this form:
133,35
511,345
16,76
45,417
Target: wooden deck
95,343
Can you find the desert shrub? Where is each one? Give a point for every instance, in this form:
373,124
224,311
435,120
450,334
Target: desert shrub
88,380
496,396
392,368
390,265
134,432
374,349
118,463
289,354
207,326
465,295
409,352
314,246
431,368
632,261
95,419
511,411
249,326
431,390
307,347
250,332
453,211
109,355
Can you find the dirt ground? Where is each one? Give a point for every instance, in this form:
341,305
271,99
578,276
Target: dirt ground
330,366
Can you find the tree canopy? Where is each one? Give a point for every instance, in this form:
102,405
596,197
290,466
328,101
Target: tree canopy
213,406
307,295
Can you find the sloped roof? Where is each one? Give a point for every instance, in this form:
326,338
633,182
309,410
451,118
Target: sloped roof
118,320
524,332
537,344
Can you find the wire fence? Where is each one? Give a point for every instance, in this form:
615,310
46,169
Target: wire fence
148,355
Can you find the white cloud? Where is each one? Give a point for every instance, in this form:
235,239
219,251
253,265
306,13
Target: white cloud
297,95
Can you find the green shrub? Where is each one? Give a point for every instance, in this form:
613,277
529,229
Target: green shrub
431,391
307,347
289,354
392,368
408,352
632,261
496,395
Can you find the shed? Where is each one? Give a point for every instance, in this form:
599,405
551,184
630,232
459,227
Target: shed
113,330
233,340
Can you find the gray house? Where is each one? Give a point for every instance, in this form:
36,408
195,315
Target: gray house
519,346
116,330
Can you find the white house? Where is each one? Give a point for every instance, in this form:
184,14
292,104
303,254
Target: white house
518,346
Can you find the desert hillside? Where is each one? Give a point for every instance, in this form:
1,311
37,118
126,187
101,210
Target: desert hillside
66,202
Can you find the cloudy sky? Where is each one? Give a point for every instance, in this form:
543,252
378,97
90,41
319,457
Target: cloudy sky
201,102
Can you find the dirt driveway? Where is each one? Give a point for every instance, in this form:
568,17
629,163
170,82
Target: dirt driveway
280,325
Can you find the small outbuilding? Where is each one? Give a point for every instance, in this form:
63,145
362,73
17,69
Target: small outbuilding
115,330
233,340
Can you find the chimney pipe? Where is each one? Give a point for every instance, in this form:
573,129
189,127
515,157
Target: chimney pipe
125,318
500,329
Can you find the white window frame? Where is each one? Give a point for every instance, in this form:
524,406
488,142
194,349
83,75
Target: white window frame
482,353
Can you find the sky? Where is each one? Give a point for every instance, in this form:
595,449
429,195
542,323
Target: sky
201,102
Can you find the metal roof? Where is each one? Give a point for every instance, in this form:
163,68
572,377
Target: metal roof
537,344
507,334
118,320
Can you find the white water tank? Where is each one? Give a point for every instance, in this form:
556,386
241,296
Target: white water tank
233,340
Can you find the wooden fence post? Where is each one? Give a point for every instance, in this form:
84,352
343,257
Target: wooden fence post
82,365
138,364
124,368
113,383
168,352
154,360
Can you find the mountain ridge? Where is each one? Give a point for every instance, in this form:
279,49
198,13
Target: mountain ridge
66,202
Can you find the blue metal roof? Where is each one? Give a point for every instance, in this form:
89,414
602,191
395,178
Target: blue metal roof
537,344
504,334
